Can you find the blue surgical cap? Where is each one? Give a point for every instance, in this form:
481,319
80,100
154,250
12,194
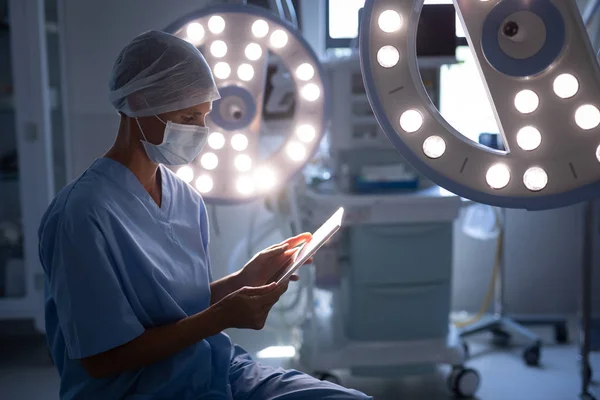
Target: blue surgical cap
157,73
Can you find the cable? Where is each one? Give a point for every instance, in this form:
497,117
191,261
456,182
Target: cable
490,292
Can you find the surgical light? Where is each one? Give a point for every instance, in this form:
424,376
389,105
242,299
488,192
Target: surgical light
253,51
526,101
243,163
566,86
529,138
245,185
260,28
204,184
587,117
535,179
245,72
598,153
311,92
239,142
388,56
548,120
216,140
295,151
411,121
305,72
240,42
218,49
434,147
498,176
222,70
209,161
186,173
265,178
279,39
216,24
389,21
306,133
195,32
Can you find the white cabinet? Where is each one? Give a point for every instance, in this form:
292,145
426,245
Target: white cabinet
30,157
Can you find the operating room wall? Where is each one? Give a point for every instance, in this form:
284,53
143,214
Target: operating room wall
542,248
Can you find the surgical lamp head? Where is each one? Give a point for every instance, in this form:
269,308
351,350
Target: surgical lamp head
238,41
543,82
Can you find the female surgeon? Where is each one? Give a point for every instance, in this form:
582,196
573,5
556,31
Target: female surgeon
132,311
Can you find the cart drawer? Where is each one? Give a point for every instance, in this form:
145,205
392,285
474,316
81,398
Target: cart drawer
400,254
396,313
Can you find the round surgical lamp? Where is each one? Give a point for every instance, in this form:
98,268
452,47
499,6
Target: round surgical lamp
543,83
236,40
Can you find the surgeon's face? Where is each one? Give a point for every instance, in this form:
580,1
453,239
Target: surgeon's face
154,129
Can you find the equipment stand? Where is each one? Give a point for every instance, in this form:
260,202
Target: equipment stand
501,326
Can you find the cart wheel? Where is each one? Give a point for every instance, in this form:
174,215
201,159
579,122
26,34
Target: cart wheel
500,338
532,355
561,333
326,376
463,382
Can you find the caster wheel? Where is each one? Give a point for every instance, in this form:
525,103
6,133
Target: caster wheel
326,376
532,355
561,334
463,382
500,338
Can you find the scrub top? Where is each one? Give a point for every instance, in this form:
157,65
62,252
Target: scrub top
116,264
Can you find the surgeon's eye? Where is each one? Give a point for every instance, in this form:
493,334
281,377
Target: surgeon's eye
191,118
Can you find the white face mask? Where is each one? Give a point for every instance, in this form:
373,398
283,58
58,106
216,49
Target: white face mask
181,143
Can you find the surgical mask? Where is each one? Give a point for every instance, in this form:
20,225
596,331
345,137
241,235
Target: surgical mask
181,143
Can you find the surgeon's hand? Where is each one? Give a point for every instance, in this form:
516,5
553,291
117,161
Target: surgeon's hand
248,307
271,261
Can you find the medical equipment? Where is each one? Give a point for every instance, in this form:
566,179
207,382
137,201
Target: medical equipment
230,170
319,238
533,56
391,262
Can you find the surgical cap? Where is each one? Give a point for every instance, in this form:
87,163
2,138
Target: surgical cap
158,73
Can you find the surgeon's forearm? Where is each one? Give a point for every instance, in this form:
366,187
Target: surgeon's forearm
156,344
224,286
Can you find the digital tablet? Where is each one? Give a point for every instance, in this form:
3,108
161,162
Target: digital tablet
319,238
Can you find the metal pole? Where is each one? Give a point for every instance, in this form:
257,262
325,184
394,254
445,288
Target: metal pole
586,299
290,12
499,279
277,8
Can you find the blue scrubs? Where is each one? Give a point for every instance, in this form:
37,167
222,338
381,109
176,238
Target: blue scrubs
116,264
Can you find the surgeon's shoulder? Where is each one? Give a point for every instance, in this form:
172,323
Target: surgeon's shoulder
82,200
